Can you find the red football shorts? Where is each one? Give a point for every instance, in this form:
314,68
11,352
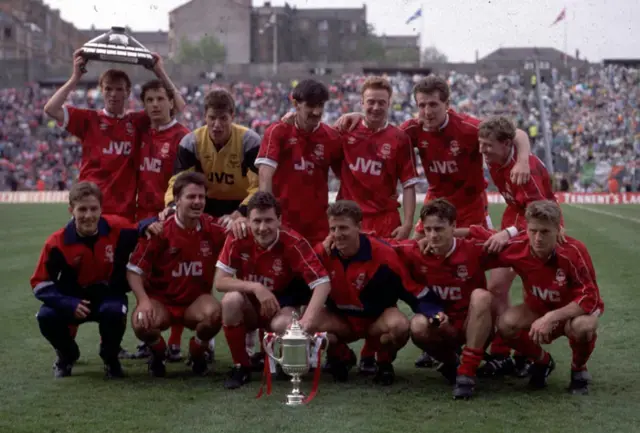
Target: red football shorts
474,214
360,325
382,224
176,312
512,218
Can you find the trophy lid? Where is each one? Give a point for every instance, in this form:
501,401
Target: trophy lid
117,46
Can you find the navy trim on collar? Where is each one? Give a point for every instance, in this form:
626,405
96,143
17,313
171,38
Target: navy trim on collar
364,253
71,235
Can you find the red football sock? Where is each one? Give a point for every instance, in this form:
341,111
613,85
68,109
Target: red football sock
339,350
261,338
368,350
471,359
159,348
175,336
523,344
236,339
581,352
384,356
73,330
197,347
499,347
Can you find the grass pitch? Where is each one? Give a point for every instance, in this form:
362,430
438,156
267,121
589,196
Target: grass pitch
32,401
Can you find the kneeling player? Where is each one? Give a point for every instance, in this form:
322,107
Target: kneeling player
80,278
452,270
367,280
561,296
275,272
178,269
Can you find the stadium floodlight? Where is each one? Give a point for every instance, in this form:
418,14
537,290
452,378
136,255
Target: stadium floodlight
118,47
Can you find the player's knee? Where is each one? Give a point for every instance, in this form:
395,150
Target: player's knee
212,314
419,328
47,314
112,309
582,328
509,324
280,323
481,300
399,327
232,306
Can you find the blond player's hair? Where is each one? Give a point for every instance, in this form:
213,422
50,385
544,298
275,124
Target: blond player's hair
377,83
544,211
498,128
345,208
82,190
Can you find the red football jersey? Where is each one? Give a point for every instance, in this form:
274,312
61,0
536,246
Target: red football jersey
566,276
109,147
371,281
519,196
158,152
451,277
179,264
67,260
289,257
301,181
452,163
374,162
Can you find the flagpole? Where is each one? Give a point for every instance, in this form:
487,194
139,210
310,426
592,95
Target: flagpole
421,35
566,47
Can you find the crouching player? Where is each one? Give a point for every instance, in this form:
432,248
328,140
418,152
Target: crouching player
453,270
80,277
367,280
275,270
561,296
171,276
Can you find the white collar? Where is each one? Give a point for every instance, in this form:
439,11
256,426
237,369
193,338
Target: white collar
272,244
364,122
453,248
441,127
295,122
181,225
510,158
167,125
109,114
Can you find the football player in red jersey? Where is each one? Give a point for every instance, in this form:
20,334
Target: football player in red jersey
367,280
159,143
109,141
447,143
454,271
80,277
496,137
264,277
561,296
294,161
172,274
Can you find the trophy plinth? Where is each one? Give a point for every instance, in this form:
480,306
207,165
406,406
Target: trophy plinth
118,47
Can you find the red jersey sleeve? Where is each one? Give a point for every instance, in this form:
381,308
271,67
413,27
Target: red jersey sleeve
406,162
144,255
41,277
77,121
584,288
229,258
269,153
412,128
480,233
305,262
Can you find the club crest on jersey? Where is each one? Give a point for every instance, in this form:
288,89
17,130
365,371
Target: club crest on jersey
244,257
319,151
277,266
424,144
462,272
424,269
233,161
359,282
129,127
293,140
561,277
164,151
205,249
351,140
385,151
454,148
173,250
108,253
103,126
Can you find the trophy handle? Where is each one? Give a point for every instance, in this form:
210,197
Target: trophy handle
268,342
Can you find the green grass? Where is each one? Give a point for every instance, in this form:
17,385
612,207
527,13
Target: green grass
32,401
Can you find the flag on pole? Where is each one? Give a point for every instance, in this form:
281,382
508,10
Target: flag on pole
417,14
561,17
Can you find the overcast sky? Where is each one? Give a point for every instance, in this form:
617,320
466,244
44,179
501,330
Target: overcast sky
598,28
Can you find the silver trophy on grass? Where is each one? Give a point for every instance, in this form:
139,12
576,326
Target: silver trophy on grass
118,47
295,346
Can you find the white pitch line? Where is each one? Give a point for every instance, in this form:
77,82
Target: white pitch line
604,212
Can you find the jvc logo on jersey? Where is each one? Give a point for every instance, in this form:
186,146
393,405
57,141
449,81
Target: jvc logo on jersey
265,281
188,269
118,148
367,166
447,293
221,177
443,167
151,164
304,165
546,294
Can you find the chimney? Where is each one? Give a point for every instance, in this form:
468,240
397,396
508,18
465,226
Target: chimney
577,54
477,56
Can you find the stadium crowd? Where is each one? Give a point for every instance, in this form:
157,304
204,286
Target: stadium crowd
595,123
